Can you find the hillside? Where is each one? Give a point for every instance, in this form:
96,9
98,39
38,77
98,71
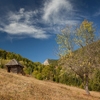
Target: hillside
18,87
6,56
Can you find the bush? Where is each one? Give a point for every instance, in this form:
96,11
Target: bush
95,81
39,76
95,86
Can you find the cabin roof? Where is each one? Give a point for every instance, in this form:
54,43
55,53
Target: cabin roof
13,62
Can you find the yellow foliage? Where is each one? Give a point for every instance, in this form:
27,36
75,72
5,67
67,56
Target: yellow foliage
87,25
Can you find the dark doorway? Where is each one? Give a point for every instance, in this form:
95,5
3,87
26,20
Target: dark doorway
9,69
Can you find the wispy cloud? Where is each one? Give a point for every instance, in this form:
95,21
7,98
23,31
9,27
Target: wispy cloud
41,23
58,12
53,7
22,23
97,13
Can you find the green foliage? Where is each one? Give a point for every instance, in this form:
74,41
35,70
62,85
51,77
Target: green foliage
1,66
34,74
95,81
39,76
27,70
10,55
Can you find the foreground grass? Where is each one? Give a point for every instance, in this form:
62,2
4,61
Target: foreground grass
18,87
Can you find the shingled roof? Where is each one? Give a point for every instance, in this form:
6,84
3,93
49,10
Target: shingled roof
13,62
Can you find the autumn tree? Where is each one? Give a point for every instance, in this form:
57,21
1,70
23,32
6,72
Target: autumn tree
78,51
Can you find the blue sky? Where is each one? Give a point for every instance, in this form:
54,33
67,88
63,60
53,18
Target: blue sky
29,27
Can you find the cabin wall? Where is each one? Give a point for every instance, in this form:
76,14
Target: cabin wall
15,69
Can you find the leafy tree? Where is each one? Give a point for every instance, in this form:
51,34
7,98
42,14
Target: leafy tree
46,72
39,76
84,60
4,54
27,70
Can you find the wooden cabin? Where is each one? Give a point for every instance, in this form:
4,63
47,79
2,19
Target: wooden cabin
14,66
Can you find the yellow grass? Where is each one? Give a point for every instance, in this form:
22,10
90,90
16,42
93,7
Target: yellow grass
18,87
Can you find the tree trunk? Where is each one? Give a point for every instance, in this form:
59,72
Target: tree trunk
87,90
86,84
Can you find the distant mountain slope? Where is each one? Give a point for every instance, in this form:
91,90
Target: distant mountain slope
50,61
18,87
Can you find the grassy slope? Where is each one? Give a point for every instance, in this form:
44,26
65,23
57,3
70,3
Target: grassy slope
18,87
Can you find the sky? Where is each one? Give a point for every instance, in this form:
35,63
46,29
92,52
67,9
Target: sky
30,27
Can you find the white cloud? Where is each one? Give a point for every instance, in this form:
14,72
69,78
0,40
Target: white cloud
20,29
21,23
58,11
40,23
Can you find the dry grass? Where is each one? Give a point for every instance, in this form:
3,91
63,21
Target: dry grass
18,87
